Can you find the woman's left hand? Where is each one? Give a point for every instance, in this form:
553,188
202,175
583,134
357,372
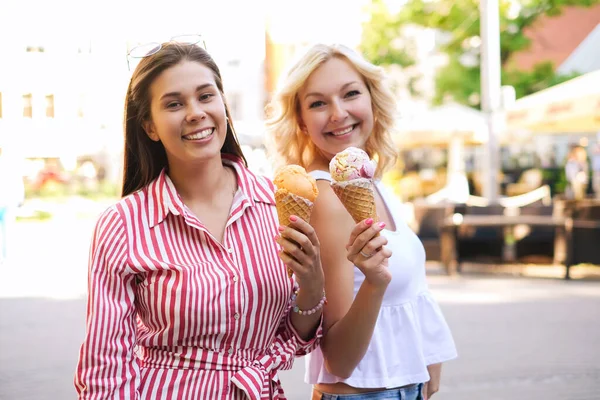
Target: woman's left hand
432,387
301,253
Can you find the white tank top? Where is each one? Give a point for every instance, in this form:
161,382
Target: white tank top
411,332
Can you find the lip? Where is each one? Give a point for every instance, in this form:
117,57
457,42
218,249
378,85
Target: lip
199,130
353,126
202,140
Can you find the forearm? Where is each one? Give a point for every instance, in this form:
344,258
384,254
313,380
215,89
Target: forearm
346,342
306,325
435,370
433,386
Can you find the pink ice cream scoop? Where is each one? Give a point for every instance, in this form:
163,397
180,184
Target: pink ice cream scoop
352,163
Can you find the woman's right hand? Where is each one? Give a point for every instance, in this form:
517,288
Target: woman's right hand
300,252
366,250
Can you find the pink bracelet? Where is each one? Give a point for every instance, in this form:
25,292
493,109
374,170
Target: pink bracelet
313,310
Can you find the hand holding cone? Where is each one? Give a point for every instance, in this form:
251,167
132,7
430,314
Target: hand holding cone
296,191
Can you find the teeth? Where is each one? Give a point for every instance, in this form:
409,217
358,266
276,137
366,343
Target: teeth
200,135
339,133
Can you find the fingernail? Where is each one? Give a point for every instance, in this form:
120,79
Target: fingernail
382,225
276,237
293,218
369,221
281,228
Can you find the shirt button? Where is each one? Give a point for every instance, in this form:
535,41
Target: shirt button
236,316
230,351
230,250
235,278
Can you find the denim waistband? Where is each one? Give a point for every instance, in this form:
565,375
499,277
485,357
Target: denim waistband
408,392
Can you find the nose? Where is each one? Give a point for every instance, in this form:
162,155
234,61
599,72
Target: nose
338,112
195,113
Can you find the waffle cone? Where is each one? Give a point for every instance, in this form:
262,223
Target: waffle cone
289,204
358,197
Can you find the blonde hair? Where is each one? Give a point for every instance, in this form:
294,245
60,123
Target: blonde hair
285,139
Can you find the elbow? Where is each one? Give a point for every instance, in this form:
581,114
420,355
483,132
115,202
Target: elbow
340,370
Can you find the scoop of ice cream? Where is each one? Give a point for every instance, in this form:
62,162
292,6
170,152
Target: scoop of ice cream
352,163
296,180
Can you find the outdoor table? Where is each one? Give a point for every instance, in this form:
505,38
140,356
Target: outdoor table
508,223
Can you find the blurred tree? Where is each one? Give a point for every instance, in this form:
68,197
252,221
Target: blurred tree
383,41
458,24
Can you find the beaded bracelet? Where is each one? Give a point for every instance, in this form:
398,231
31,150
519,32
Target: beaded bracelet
313,310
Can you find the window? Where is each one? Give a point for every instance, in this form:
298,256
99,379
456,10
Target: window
81,106
35,49
234,103
50,106
27,105
84,47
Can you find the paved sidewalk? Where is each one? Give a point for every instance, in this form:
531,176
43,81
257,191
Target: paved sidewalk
517,337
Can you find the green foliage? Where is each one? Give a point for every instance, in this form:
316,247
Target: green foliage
542,76
382,41
459,82
384,44
36,215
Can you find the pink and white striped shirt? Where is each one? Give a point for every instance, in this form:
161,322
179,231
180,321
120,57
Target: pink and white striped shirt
174,314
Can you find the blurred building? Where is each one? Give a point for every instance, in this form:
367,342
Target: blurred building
570,41
62,93
61,97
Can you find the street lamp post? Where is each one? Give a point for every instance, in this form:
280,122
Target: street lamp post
490,92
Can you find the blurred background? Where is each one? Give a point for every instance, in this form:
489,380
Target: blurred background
483,146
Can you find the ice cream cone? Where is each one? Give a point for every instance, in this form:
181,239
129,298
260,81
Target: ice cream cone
290,204
358,197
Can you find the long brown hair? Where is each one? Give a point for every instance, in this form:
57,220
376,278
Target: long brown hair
144,158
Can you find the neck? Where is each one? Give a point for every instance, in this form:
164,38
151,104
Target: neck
320,163
203,183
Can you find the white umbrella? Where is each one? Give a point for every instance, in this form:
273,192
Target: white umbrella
570,107
438,126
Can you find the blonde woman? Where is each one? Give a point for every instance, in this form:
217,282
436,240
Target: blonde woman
384,335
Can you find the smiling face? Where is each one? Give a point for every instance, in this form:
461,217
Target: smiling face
187,114
335,108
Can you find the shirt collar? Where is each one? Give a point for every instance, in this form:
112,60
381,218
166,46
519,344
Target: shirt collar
255,188
164,199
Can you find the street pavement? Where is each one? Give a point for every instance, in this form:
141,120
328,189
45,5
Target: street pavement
518,337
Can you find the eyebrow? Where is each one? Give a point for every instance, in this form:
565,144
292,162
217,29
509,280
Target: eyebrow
320,94
174,94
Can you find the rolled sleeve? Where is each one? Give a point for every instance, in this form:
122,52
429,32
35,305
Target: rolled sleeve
303,346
